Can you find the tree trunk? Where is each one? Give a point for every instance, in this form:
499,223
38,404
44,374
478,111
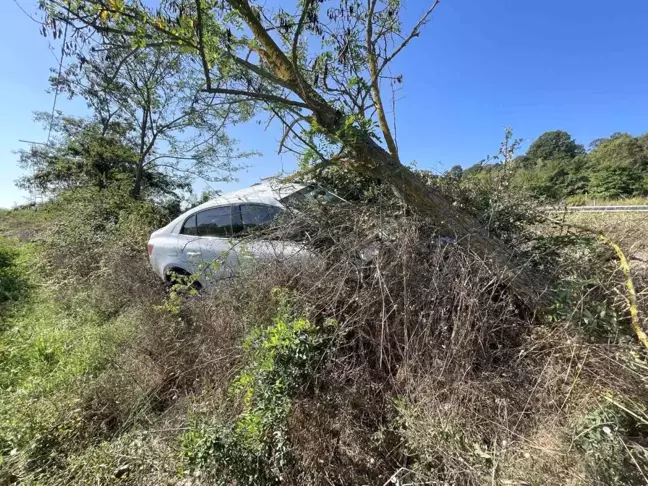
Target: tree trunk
136,191
372,160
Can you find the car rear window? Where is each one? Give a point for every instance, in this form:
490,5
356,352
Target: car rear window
308,194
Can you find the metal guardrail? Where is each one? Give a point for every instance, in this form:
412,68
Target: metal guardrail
601,209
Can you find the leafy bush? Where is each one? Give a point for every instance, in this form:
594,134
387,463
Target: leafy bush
555,167
254,449
605,435
95,250
583,303
616,182
12,279
93,223
505,212
583,292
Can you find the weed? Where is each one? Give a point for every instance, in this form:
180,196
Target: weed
254,448
579,302
605,435
13,282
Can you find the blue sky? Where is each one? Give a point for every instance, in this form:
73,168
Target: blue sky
576,65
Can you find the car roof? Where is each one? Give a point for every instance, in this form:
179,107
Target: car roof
270,192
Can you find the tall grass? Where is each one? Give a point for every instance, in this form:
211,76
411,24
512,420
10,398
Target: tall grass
583,200
49,353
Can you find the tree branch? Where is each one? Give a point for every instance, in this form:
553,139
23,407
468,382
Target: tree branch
291,128
257,96
375,84
288,129
263,73
283,68
415,33
309,170
295,43
272,54
201,45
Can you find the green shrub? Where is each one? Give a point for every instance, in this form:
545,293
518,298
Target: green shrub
13,283
254,448
93,225
605,436
615,182
582,303
506,212
583,292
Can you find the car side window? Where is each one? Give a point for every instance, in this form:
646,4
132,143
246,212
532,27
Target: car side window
215,222
254,215
189,226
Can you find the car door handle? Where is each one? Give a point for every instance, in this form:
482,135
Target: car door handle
193,253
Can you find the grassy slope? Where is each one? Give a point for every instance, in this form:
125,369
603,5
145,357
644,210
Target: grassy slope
74,383
48,349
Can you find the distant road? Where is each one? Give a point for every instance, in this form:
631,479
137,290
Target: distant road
601,209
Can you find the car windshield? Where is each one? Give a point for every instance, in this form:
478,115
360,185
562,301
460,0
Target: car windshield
308,194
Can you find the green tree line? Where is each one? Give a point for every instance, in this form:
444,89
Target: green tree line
556,167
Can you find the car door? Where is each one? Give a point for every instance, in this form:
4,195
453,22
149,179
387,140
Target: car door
189,254
218,249
253,217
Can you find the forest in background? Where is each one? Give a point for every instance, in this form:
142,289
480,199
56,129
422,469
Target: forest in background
556,168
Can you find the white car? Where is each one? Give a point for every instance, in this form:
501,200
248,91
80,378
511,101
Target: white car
211,240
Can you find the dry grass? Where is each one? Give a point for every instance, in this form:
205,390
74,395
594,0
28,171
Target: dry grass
526,424
484,391
582,200
630,230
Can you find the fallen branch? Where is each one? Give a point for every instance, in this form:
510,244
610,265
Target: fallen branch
310,170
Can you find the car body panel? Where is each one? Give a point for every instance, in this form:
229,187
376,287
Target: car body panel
219,258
